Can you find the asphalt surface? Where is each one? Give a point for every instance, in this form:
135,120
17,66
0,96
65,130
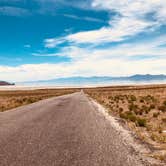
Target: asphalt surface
61,131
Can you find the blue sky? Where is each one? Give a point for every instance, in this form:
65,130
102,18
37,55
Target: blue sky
45,39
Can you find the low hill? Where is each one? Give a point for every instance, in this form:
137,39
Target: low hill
4,83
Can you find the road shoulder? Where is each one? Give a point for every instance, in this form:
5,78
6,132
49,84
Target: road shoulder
141,149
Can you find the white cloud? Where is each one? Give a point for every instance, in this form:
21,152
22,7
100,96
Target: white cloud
117,61
53,42
114,67
125,59
91,19
131,19
120,30
47,55
130,8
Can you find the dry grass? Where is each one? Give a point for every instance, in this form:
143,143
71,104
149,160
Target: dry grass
12,99
142,107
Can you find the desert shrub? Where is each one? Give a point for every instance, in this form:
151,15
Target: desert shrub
152,106
153,137
162,108
164,103
156,114
19,101
122,115
24,99
112,102
140,112
129,116
120,109
31,100
141,100
117,98
150,98
136,111
145,109
133,98
132,117
133,107
110,97
141,122
2,108
102,101
160,130
164,120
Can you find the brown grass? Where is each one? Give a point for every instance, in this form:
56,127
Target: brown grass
142,107
12,99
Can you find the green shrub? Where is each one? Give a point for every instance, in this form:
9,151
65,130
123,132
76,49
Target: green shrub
123,115
141,122
145,109
129,116
133,107
132,118
133,98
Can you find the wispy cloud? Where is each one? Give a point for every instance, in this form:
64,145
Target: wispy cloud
27,46
53,42
131,19
14,11
89,58
82,4
48,54
91,19
125,59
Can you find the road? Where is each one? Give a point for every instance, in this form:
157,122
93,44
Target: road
61,131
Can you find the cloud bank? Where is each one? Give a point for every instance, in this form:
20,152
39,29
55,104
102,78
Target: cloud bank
111,50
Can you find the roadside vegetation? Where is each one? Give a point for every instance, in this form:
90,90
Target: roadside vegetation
143,108
13,99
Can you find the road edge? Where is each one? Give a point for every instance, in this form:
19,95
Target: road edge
128,136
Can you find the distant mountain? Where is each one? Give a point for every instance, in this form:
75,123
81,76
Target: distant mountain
147,77
4,83
138,78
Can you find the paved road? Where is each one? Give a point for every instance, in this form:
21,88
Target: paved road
62,131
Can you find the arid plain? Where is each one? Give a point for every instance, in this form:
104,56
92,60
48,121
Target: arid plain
141,108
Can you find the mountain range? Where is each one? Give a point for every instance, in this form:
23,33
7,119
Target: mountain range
138,78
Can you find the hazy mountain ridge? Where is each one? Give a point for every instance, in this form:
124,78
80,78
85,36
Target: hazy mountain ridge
103,79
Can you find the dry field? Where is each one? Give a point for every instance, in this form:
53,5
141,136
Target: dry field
12,99
142,108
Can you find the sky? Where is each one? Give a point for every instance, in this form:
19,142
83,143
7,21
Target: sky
47,39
